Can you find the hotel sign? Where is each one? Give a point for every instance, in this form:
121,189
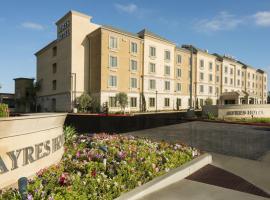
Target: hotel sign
63,30
29,154
245,112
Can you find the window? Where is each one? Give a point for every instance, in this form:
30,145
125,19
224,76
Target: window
54,51
225,80
248,75
133,102
238,72
152,67
167,70
152,84
217,90
226,69
217,67
152,51
112,102
253,76
210,66
201,76
54,84
231,81
178,72
210,77
54,68
167,85
243,74
238,82
179,59
113,61
113,42
134,48
231,71
167,55
242,83
166,102
210,89
178,102
217,79
201,88
201,63
178,87
152,102
133,82
113,81
133,64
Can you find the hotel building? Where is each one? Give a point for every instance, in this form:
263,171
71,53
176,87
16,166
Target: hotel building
151,70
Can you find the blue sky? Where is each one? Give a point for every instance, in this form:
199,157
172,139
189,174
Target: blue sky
240,28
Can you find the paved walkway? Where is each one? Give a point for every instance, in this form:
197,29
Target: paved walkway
230,146
230,139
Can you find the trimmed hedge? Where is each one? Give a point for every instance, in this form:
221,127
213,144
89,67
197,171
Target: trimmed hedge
4,112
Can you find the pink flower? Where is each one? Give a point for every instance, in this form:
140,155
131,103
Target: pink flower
64,179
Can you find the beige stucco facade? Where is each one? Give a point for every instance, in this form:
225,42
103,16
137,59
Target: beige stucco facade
153,71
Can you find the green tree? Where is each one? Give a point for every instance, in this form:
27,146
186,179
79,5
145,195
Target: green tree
208,101
122,99
84,102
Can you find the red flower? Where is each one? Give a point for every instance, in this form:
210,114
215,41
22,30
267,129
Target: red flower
94,173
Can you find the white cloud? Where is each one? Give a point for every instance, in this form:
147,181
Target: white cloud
262,18
224,21
33,26
128,8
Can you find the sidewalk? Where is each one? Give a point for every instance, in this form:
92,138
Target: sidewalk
255,172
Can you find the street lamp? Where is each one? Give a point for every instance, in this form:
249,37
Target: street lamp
156,100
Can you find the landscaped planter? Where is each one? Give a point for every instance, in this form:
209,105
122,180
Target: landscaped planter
29,143
104,167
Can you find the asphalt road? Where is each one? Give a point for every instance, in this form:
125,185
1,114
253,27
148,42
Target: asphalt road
251,142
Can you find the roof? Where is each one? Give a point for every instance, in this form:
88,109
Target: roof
182,49
144,32
119,30
74,13
21,78
46,47
232,94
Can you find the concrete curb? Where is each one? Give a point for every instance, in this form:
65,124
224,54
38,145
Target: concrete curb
171,177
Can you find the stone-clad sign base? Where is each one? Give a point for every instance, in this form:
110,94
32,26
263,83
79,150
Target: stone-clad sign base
28,144
238,111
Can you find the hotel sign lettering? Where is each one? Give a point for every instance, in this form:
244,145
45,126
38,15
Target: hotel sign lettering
63,30
245,112
29,154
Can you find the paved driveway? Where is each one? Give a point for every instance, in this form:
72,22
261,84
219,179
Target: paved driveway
244,141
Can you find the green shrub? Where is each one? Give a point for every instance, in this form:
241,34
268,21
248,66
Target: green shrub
4,112
84,102
210,116
208,101
69,133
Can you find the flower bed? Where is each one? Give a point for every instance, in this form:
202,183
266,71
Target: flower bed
103,166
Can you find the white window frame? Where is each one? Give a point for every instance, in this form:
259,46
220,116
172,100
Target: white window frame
178,87
150,72
165,55
117,42
111,55
165,70
152,56
131,60
131,42
109,81
154,81
131,86
167,83
177,60
177,75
